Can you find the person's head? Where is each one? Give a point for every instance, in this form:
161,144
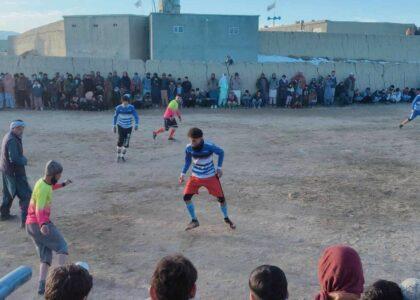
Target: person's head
174,278
283,76
196,136
410,289
70,282
178,98
247,92
186,78
274,76
125,99
262,75
236,74
148,75
53,171
268,283
340,271
213,76
17,127
98,73
258,94
418,91
125,74
333,72
163,75
136,74
383,290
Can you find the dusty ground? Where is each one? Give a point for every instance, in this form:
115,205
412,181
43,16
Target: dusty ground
296,182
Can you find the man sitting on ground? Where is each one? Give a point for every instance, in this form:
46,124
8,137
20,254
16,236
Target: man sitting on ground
174,278
268,283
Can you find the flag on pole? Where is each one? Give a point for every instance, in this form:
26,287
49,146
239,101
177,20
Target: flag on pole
138,4
271,6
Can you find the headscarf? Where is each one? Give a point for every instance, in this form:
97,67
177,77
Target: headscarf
411,289
16,123
340,270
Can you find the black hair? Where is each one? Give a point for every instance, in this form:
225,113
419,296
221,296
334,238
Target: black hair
195,133
268,283
383,290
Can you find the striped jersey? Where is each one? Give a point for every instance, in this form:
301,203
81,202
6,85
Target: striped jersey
124,116
202,159
416,103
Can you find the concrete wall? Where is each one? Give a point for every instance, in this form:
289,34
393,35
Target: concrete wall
372,74
4,45
341,46
46,40
139,37
204,37
318,26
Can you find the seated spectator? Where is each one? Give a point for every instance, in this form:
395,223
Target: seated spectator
189,100
174,278
232,100
379,96
70,282
406,95
340,274
395,96
257,101
201,98
358,97
367,96
410,289
247,99
383,290
313,96
268,283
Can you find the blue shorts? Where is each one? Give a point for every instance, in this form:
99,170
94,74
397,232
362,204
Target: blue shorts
414,114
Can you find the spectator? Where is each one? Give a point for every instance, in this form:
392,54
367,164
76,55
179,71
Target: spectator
69,282
329,91
125,84
232,101
340,274
383,290
99,80
172,90
406,95
69,87
202,100
290,95
268,283
156,90
136,84
349,85
263,86
224,88
22,95
9,90
367,96
147,84
213,89
2,104
236,86
190,99
257,101
247,99
186,86
164,87
174,278
273,87
312,97
282,91
37,91
358,97
334,80
411,289
116,80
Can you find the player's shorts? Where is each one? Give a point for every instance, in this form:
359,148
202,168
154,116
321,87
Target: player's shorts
212,184
124,135
170,123
414,114
46,244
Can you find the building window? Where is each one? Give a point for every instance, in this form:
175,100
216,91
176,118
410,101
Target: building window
233,30
115,25
178,29
73,25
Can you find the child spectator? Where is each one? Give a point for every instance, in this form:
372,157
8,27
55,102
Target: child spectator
37,92
257,101
268,283
232,101
383,290
174,278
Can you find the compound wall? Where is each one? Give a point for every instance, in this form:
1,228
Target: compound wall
368,74
341,46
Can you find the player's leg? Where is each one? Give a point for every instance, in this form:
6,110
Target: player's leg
9,192
172,134
214,187
126,143
413,115
191,188
120,142
173,126
162,129
224,209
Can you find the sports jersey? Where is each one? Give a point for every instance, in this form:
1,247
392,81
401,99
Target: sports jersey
172,110
124,116
415,105
202,159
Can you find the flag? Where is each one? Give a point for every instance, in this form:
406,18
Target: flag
138,4
271,6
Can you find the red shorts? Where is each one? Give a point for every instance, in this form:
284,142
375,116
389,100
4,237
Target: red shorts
212,184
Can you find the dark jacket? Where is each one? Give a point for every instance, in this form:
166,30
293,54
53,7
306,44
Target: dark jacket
12,161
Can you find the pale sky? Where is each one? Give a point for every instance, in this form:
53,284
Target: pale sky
21,15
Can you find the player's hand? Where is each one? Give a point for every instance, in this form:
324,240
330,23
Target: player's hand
181,178
68,181
114,129
219,173
136,127
45,230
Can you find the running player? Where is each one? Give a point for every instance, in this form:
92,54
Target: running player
171,112
200,154
123,123
415,109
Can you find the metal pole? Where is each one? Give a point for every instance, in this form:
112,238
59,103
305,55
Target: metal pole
14,280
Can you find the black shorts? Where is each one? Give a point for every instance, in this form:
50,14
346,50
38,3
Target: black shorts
170,123
124,135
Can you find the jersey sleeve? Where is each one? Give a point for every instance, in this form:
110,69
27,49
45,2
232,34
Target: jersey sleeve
220,153
188,160
57,186
136,116
117,112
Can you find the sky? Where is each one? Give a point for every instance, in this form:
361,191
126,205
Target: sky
22,15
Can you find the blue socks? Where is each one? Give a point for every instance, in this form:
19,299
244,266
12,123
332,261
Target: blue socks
223,208
191,210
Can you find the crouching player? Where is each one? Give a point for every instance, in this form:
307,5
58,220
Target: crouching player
415,110
123,123
200,153
46,236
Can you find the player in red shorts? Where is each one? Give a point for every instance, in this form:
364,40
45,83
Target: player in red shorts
204,174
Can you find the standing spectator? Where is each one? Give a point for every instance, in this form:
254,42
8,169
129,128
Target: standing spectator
125,84
349,85
147,84
340,273
179,87
37,92
213,89
136,84
274,85
282,91
320,89
290,95
21,91
99,80
186,86
108,91
383,290
224,88
247,99
9,90
69,88
329,91
53,91
268,283
156,90
116,80
12,166
263,86
334,79
172,90
236,87
174,278
164,87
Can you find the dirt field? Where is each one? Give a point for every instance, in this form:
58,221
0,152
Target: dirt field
296,181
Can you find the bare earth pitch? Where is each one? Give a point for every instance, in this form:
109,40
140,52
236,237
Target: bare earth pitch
296,181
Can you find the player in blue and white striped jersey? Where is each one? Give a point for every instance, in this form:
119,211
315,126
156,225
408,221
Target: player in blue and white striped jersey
415,109
123,124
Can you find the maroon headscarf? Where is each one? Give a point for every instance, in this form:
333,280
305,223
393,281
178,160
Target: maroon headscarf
340,270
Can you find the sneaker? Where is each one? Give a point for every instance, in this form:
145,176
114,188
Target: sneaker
171,139
8,217
193,224
230,223
401,126
41,287
154,135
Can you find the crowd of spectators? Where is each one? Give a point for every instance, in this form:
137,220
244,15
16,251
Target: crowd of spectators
94,92
340,277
